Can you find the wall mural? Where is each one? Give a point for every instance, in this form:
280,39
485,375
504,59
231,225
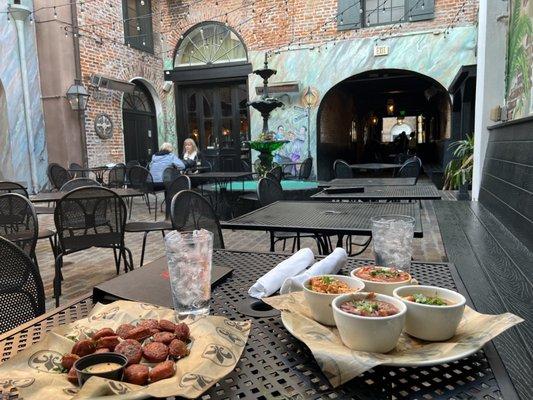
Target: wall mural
518,80
427,53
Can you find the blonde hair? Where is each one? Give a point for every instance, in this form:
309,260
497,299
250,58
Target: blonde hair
166,147
192,143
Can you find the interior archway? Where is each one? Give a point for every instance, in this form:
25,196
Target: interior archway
359,119
6,166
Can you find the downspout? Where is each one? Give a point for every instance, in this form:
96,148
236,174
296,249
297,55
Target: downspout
77,66
20,13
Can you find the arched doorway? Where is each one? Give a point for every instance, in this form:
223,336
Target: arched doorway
6,166
140,124
211,79
360,118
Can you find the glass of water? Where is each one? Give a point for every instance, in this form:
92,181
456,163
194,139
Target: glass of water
189,256
392,237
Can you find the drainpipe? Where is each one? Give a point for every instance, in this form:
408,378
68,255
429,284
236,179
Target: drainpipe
77,66
20,13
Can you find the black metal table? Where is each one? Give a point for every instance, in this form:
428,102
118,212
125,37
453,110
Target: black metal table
322,218
363,182
374,166
45,197
275,365
387,193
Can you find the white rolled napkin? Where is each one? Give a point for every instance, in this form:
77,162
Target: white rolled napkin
272,280
328,266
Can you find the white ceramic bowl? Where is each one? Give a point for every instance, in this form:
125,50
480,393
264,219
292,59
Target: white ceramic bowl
320,303
382,287
372,334
428,322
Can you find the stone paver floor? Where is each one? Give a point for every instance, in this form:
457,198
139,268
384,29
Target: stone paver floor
83,270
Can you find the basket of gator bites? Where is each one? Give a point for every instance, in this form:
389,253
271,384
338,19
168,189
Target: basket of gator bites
128,350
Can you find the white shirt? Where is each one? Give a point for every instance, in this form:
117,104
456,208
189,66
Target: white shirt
191,156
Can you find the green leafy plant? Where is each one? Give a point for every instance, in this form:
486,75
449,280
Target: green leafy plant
518,61
459,170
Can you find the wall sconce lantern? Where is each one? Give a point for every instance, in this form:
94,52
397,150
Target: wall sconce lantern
77,96
390,107
374,120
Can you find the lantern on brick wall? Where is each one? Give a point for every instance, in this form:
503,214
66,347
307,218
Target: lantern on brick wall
77,96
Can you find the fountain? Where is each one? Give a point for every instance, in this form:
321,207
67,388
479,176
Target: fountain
265,144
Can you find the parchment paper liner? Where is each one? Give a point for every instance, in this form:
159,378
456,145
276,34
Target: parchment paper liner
340,364
215,350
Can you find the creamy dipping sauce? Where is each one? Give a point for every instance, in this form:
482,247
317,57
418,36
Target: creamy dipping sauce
102,367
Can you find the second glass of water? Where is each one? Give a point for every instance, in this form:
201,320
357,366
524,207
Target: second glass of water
189,256
392,237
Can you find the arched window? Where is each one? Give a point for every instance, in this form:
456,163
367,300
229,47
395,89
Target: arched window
210,43
139,100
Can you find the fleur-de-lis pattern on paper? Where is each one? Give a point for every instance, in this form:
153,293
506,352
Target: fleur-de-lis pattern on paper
230,336
118,387
199,382
241,326
107,314
220,355
18,383
46,361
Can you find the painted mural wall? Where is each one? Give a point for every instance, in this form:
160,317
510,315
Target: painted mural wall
427,53
16,164
519,74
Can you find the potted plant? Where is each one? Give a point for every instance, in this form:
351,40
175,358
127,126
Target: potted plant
458,172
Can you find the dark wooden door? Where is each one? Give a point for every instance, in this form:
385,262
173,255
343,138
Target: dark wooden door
140,127
216,117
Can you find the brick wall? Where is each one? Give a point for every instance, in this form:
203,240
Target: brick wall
268,25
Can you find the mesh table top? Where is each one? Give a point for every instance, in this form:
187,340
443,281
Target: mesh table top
415,192
360,182
275,365
375,166
44,197
220,175
322,217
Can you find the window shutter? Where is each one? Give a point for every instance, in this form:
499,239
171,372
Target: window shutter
420,10
348,16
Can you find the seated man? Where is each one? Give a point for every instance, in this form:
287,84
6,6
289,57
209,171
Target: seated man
161,160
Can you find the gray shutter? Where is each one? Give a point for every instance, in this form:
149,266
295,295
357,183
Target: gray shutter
421,9
348,16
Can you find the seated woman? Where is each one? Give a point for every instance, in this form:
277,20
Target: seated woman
190,153
161,160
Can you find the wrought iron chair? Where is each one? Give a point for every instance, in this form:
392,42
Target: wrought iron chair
21,287
182,182
57,175
305,169
342,170
14,187
14,207
411,168
270,191
90,217
141,179
77,171
275,173
116,178
77,183
190,211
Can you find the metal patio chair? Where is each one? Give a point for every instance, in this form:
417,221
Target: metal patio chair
77,171
19,223
77,183
90,217
182,182
116,178
342,170
268,192
190,211
411,169
305,169
275,173
141,179
57,175
14,187
21,287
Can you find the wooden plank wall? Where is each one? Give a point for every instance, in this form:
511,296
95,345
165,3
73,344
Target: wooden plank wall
507,181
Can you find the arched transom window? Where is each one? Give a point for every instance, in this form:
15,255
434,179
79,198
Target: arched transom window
208,44
138,100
